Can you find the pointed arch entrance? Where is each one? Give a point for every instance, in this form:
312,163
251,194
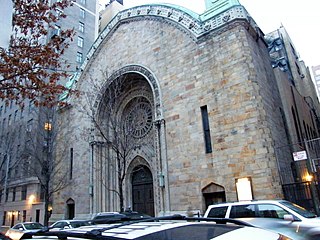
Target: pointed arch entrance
70,208
213,193
142,190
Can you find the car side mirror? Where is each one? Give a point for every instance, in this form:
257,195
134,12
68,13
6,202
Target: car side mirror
20,229
288,217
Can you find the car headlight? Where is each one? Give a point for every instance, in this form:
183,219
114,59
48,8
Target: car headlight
282,237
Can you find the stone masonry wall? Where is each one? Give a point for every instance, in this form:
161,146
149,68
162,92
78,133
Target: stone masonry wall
229,73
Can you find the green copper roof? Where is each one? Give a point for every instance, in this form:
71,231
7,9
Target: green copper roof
215,7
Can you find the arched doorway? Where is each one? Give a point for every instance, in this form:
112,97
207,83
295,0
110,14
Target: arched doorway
70,209
213,193
142,190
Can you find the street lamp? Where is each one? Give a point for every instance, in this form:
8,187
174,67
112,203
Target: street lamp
47,126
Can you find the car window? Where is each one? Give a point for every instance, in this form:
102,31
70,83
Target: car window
17,226
298,209
197,232
242,211
270,211
78,224
218,212
30,226
59,225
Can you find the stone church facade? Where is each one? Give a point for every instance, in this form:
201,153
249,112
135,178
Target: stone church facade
206,112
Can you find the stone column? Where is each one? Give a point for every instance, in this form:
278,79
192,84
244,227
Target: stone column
163,179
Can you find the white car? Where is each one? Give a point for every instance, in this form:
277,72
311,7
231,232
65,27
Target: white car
166,229
276,215
19,229
66,224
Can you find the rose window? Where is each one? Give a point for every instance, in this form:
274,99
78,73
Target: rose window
139,120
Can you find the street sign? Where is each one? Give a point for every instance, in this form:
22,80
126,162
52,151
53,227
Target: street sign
297,156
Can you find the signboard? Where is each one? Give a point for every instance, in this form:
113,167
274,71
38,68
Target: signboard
297,156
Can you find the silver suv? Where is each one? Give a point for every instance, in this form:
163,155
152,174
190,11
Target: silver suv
276,215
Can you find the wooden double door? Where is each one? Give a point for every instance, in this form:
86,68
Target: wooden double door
142,190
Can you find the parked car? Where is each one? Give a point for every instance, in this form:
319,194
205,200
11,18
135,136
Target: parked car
19,229
65,224
276,215
117,217
166,228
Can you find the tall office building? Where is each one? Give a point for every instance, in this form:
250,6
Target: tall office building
23,131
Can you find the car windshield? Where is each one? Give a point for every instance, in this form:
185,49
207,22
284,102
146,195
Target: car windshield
31,226
298,209
79,224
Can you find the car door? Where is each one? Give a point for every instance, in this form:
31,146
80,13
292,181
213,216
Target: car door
271,216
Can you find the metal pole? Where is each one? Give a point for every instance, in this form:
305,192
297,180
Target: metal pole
311,170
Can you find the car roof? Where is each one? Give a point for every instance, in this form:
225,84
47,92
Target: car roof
137,230
246,202
72,220
141,228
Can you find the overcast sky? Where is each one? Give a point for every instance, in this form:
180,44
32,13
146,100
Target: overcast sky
300,18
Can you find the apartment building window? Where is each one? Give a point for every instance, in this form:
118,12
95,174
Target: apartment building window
83,2
13,194
56,31
1,109
15,116
30,107
59,12
206,129
29,125
80,42
82,13
24,215
7,195
16,172
24,192
4,218
3,124
42,192
81,27
79,57
9,120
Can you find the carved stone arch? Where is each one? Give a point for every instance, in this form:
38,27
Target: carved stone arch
148,76
213,193
138,160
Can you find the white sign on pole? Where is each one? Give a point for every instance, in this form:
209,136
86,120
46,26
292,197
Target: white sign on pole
297,156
